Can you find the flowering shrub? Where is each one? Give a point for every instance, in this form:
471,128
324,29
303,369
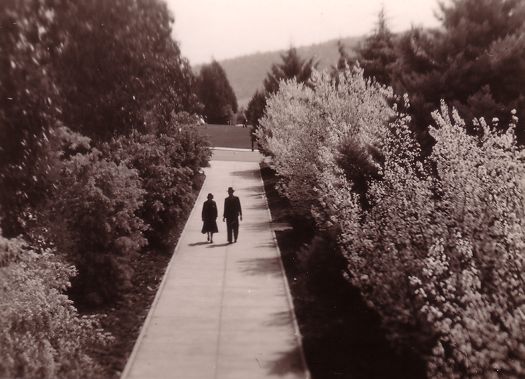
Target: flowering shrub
304,124
435,246
41,333
472,283
384,244
93,220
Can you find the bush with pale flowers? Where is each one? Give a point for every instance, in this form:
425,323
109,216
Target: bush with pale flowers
436,246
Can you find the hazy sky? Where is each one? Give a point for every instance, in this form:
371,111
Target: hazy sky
222,29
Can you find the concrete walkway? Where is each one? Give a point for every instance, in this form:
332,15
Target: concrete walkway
223,311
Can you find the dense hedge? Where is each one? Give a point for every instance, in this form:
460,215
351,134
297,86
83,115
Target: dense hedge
434,245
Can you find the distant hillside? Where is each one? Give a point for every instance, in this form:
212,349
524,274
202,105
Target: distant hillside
246,73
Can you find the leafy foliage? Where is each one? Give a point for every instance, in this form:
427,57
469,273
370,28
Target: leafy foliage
216,94
344,60
479,260
41,333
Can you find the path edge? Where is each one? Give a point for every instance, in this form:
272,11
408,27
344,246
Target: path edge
138,342
297,331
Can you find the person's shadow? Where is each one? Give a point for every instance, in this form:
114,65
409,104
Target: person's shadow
198,243
219,245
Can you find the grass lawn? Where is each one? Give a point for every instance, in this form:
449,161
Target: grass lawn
342,337
227,135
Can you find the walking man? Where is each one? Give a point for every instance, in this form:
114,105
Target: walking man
232,212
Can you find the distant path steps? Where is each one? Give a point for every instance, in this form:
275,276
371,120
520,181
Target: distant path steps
223,311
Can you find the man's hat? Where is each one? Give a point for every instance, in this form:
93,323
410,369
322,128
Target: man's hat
230,189
210,196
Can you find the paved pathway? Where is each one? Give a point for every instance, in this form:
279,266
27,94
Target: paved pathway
223,311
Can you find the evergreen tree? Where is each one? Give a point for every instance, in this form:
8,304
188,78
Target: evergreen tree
292,66
216,94
476,62
377,53
256,108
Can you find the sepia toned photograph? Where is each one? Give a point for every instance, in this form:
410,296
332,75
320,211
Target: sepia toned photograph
262,189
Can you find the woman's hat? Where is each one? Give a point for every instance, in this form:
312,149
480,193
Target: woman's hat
210,196
230,189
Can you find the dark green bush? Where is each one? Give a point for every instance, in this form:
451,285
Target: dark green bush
93,219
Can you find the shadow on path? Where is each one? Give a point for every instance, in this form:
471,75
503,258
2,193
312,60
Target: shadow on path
280,319
268,245
261,266
257,189
256,195
218,245
256,207
256,226
246,173
288,362
198,243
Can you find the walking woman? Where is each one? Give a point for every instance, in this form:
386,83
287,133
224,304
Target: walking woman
209,218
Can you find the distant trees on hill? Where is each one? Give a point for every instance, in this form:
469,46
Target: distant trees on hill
246,73
216,94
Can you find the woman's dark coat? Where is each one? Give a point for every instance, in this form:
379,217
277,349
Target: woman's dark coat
209,217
